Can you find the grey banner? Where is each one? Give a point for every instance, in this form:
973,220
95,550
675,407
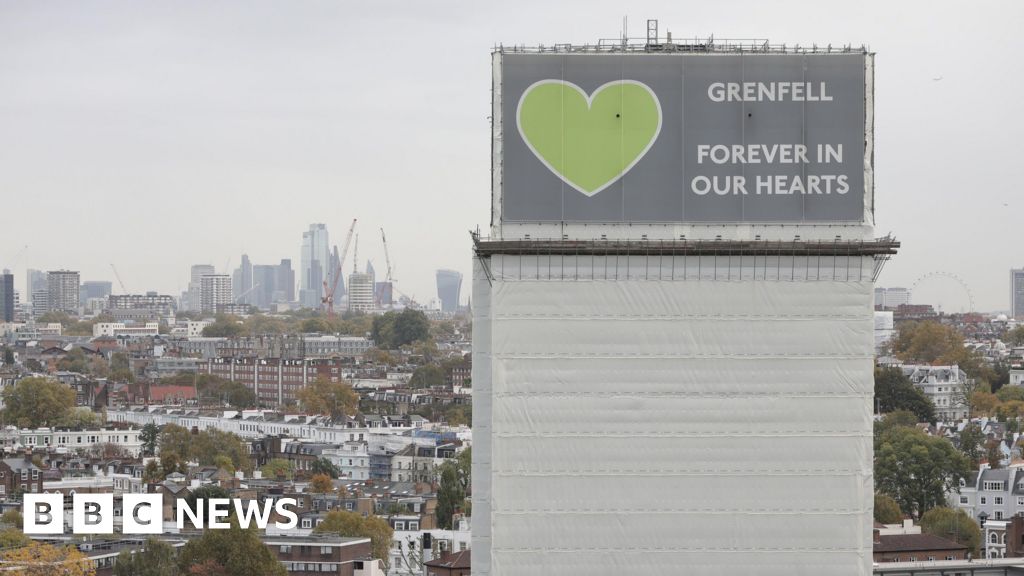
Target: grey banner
743,138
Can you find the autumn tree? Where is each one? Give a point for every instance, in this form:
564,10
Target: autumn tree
204,447
321,484
38,559
35,402
352,524
928,342
450,496
887,511
13,518
336,399
955,525
232,551
13,538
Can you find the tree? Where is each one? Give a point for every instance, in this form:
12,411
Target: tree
8,356
993,455
152,473
205,492
149,435
120,368
1015,337
37,559
13,518
984,403
34,365
396,329
79,418
223,327
929,342
917,470
1010,393
971,440
321,484
230,552
176,440
155,559
315,326
450,496
894,391
13,538
211,444
352,524
427,377
325,466
336,399
278,468
887,511
35,402
955,525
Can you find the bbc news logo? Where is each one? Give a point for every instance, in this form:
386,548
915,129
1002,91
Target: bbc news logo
143,513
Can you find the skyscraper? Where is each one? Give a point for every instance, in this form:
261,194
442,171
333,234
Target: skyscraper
35,280
215,290
7,296
95,289
195,286
63,288
449,283
285,286
1017,293
242,281
316,260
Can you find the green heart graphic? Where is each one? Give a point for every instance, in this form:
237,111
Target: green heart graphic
589,141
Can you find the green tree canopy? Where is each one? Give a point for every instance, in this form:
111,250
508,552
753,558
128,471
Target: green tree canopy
955,525
396,329
230,552
971,441
894,391
149,435
427,376
887,511
325,466
278,468
155,559
352,524
205,447
224,326
35,402
917,470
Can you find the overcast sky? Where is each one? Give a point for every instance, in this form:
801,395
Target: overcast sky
157,135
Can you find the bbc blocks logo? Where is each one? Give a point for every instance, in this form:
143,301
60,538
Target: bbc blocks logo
143,513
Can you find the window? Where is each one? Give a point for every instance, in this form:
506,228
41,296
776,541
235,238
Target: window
1020,500
992,485
307,523
399,525
999,515
950,558
998,500
286,549
414,526
982,500
963,499
993,539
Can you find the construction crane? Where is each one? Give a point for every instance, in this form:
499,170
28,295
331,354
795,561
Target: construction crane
327,300
119,281
389,279
247,292
387,258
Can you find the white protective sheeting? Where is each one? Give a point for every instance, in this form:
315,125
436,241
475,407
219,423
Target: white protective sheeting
671,426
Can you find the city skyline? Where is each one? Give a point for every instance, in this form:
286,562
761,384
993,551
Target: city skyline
232,111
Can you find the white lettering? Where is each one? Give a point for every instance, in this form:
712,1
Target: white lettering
768,92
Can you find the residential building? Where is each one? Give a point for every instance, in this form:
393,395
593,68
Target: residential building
52,438
915,548
891,298
360,292
320,555
215,290
351,458
193,300
161,303
944,386
6,296
63,289
449,285
449,564
19,475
